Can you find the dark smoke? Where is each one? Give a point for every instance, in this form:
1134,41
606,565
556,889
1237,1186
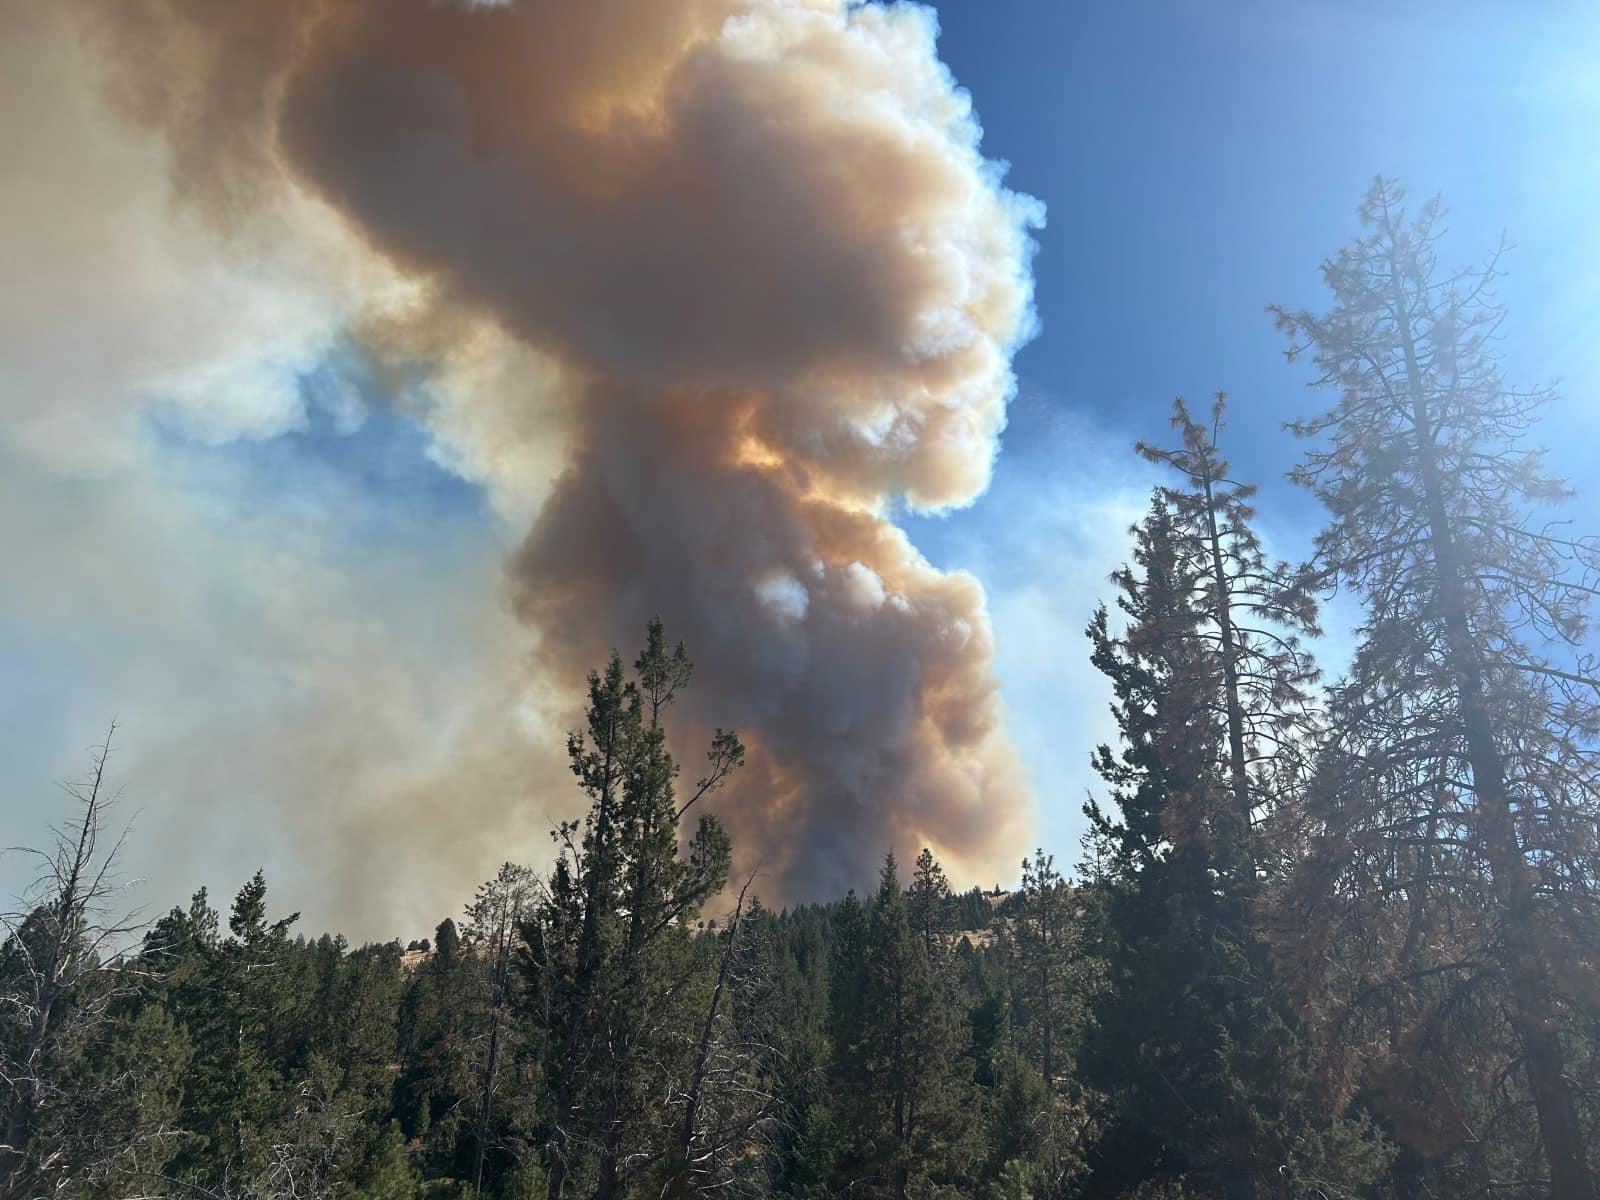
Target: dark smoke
780,287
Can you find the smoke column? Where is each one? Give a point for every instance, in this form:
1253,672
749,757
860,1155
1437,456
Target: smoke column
772,288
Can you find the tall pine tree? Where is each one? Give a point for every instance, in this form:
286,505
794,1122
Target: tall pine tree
1470,692
1194,1043
912,1048
610,947
1252,614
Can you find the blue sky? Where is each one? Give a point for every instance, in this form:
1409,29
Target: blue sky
1198,161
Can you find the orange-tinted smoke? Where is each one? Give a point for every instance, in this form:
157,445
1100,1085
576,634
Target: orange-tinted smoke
784,288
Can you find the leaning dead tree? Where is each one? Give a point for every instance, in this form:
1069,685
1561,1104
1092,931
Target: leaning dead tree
727,1102
59,977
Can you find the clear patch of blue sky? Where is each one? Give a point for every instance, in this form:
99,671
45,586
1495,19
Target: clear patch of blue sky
1198,161
357,465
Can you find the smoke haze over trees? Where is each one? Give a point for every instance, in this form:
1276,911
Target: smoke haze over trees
1327,938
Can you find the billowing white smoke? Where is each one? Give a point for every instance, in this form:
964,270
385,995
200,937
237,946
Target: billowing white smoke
736,268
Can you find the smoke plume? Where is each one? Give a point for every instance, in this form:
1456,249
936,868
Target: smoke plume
704,291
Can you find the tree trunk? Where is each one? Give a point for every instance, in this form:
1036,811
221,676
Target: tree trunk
1238,768
70,905
557,1177
679,1186
608,1177
586,966
1046,1014
1406,1174
901,1165
486,1102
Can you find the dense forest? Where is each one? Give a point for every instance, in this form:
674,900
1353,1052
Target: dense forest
1326,937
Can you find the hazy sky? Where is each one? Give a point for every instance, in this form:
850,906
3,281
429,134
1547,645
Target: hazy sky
275,541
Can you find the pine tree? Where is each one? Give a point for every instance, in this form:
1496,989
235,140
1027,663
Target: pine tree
610,947
837,1141
494,920
574,942
1048,957
1051,987
438,1052
1165,777
231,1000
1194,1044
1252,614
1470,691
912,1047
929,901
781,1009
355,1052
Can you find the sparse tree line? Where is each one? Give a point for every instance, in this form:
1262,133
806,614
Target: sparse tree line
1329,938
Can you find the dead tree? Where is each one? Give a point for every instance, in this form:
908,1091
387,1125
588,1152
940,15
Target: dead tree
59,975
